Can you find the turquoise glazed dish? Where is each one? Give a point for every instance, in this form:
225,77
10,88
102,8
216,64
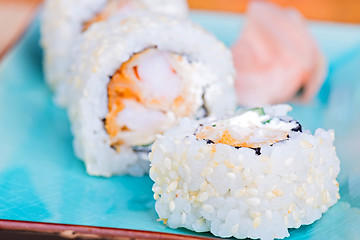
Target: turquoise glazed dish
41,180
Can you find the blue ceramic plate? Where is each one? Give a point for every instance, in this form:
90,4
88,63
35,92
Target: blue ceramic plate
41,179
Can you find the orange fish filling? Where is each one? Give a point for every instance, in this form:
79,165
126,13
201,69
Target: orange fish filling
227,139
120,87
97,18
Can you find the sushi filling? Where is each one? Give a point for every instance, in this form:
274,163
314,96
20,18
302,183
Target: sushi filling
249,130
148,93
111,8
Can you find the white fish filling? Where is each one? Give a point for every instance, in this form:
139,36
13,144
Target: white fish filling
249,129
155,89
160,81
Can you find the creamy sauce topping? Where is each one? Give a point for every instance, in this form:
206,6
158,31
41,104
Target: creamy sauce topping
250,130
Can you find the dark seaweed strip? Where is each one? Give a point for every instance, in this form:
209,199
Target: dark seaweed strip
141,149
284,140
208,141
257,150
104,124
298,128
203,106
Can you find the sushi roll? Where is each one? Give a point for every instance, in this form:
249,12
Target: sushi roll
64,20
134,78
253,175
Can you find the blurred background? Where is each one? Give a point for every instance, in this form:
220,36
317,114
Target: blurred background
336,106
329,10
16,14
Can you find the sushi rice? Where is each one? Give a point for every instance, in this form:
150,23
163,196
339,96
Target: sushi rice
63,21
127,76
255,174
134,78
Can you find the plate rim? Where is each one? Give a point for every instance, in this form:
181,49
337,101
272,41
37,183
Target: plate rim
88,232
